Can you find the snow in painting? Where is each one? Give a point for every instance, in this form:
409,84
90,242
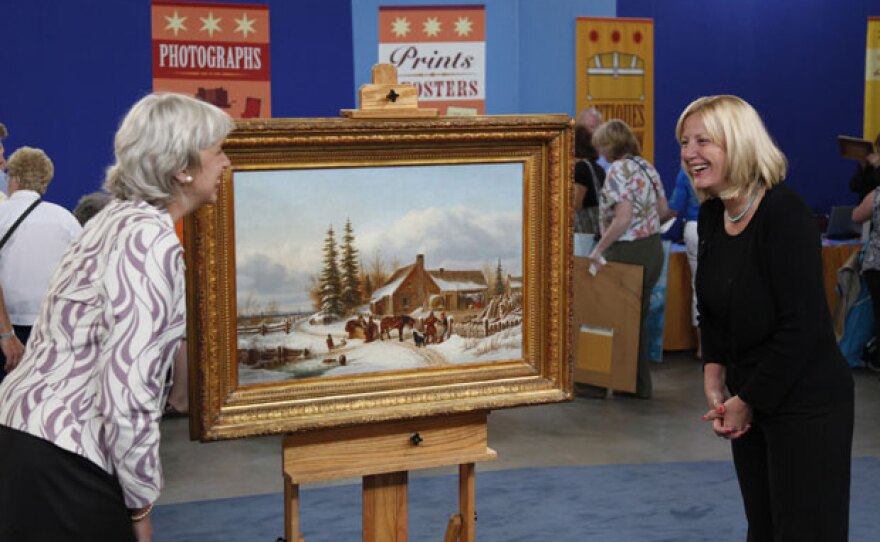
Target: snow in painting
357,270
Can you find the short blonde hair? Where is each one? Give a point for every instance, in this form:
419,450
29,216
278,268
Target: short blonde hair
161,136
618,139
753,159
32,167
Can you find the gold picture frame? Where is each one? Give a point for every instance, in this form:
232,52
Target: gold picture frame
537,146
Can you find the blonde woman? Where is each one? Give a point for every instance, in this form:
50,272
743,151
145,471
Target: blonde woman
632,206
79,416
776,384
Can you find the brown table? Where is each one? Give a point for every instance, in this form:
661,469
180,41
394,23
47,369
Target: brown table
678,334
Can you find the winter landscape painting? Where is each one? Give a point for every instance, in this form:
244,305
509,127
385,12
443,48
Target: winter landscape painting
344,271
355,271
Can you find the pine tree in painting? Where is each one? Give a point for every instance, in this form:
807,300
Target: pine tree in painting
499,279
351,283
331,284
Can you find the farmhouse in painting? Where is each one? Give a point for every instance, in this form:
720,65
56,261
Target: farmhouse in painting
413,287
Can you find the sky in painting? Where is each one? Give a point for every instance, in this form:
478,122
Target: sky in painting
461,217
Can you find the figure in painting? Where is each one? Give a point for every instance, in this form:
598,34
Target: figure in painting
431,328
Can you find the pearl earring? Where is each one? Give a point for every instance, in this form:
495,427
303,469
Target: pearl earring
188,179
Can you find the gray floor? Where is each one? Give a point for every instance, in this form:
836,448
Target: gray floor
582,432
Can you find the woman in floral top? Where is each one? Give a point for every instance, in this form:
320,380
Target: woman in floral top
632,207
79,416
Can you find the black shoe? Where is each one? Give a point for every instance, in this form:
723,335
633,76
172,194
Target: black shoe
590,392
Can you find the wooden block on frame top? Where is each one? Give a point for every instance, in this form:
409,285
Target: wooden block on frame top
386,98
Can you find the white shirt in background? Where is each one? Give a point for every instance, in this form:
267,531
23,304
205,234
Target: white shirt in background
30,256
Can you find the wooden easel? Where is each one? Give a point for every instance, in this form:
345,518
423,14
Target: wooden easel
383,454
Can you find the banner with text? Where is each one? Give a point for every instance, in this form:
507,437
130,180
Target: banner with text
441,50
615,73
872,80
216,52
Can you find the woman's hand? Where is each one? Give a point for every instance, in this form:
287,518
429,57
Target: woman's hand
143,530
737,418
13,350
873,159
597,262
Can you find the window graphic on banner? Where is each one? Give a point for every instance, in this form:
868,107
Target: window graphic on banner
216,52
615,73
872,80
441,50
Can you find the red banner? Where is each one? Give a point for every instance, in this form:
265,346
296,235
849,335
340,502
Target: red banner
216,52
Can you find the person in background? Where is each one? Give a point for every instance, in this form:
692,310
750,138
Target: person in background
686,204
633,206
867,175
11,347
89,205
588,180
869,209
776,383
3,178
24,269
591,118
79,417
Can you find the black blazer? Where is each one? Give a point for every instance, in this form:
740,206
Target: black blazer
781,353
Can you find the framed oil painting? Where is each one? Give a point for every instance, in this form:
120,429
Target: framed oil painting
355,271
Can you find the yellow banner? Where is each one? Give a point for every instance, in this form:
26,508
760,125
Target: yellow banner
872,80
615,73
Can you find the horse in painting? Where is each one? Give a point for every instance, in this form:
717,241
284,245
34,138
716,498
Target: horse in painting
389,323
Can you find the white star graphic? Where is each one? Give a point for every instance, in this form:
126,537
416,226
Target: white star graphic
245,25
400,27
175,23
463,26
210,24
431,27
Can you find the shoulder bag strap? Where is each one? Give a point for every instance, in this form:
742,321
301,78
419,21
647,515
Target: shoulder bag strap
593,179
18,221
648,175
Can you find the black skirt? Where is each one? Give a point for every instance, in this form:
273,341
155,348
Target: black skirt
48,493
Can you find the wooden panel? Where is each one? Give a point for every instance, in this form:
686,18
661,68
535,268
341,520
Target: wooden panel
385,507
386,447
678,330
611,300
466,504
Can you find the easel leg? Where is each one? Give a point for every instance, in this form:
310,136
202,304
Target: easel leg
385,507
291,511
466,505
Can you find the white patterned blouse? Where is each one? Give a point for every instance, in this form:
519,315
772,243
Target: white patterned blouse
94,375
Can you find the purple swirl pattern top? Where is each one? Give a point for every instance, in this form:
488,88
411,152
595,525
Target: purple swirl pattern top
93,379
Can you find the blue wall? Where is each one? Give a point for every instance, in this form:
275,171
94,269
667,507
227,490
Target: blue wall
71,69
529,49
801,64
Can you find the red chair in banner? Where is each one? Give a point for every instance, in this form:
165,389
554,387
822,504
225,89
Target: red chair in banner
251,108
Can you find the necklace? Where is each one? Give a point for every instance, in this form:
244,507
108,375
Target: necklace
737,218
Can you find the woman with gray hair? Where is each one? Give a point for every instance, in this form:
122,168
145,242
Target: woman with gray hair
26,222
79,417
